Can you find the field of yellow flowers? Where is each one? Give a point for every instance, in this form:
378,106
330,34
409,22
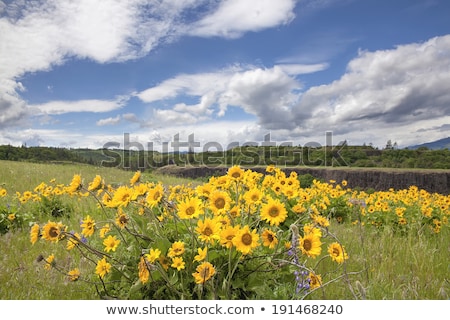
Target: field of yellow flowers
243,235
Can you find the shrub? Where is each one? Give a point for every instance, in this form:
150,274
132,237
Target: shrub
243,235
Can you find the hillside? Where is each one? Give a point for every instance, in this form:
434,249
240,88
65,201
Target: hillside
434,145
251,156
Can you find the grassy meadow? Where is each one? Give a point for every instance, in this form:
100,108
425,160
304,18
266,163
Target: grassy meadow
397,244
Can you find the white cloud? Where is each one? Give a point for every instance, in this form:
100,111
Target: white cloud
39,35
171,117
189,84
388,94
267,93
108,121
13,109
232,18
297,69
388,89
131,117
92,105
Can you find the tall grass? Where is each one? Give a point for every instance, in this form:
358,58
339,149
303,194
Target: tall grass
383,264
21,275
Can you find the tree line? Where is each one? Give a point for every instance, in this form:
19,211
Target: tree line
289,156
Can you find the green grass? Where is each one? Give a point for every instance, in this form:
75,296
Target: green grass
22,176
21,276
388,266
382,264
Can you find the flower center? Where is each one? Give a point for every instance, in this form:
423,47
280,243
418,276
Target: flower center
219,203
247,239
273,212
336,252
207,231
190,211
307,245
53,232
123,220
205,273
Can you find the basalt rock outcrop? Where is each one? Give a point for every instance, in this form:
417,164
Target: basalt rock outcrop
364,178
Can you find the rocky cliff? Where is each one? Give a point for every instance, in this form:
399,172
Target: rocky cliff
364,178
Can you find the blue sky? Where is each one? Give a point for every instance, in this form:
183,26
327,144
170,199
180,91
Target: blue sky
84,73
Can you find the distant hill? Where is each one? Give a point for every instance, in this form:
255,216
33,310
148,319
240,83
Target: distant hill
285,156
434,145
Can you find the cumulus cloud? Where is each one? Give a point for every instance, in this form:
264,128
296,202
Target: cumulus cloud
266,93
131,117
386,88
232,18
12,108
188,84
39,35
401,92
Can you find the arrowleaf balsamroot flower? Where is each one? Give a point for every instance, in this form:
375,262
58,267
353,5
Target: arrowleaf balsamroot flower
245,240
121,219
154,195
219,202
253,196
208,230
310,245
227,234
235,172
153,255
73,240
190,208
122,197
103,268
34,233
178,263
73,275
177,249
96,184
315,280
201,254
135,179
52,231
205,271
49,262
269,238
337,252
111,243
75,184
274,212
88,225
143,272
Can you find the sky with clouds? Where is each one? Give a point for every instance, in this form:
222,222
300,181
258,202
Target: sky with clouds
85,73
